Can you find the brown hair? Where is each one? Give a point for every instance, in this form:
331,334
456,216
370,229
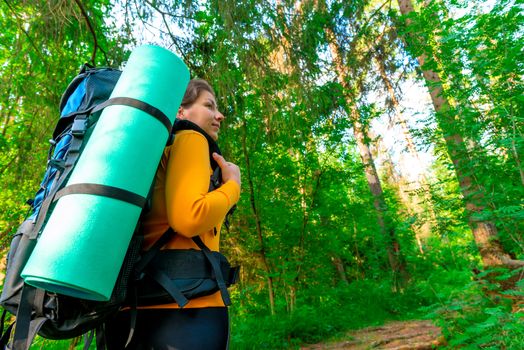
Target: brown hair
195,87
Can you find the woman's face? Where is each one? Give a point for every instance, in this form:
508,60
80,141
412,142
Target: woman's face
204,113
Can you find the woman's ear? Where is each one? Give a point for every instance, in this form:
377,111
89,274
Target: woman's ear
180,113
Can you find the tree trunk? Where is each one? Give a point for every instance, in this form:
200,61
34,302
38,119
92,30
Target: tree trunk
256,215
516,153
373,180
360,270
305,220
484,231
339,265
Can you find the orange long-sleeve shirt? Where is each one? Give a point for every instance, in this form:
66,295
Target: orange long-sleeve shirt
181,200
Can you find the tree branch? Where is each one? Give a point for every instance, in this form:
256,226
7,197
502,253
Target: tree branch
91,29
31,42
171,35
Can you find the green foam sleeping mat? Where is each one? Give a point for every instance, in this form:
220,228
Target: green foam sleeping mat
84,242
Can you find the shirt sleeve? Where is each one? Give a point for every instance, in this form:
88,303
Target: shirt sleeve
191,209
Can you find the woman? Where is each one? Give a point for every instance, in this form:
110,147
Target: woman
181,201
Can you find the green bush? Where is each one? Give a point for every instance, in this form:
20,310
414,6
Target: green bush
481,316
326,313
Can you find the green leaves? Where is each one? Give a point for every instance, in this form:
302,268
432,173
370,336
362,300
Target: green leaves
305,205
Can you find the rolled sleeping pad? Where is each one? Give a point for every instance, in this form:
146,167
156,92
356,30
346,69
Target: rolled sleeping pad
83,244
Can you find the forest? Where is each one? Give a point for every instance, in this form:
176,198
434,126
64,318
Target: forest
380,144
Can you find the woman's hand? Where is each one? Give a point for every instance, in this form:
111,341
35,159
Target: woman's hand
230,171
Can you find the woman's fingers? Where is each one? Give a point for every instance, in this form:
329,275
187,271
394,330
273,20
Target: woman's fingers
230,171
220,160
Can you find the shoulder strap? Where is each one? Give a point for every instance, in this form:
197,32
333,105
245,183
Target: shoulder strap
26,328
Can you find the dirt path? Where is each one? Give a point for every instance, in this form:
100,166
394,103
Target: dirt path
400,335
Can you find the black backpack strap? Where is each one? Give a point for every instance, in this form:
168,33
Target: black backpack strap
23,318
143,106
139,269
124,101
85,67
150,254
38,303
25,327
7,334
215,180
157,275
102,190
166,283
216,269
2,321
101,343
88,339
34,327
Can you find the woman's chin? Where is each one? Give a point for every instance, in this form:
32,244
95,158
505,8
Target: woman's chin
213,134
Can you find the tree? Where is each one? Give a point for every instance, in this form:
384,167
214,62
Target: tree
359,131
420,190
484,231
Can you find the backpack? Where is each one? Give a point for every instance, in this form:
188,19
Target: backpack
142,280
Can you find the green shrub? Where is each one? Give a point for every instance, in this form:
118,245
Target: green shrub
481,316
325,313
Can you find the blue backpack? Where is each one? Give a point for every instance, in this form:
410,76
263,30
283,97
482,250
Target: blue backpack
38,311
55,316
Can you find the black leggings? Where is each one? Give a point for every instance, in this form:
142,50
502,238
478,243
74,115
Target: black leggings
170,329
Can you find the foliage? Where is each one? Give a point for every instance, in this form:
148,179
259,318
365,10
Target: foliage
475,51
321,316
477,319
307,228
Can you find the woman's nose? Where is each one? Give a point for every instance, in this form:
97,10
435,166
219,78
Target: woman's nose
219,116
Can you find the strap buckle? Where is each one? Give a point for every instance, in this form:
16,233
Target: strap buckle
58,164
79,127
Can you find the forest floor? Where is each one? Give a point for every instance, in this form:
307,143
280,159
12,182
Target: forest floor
398,335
